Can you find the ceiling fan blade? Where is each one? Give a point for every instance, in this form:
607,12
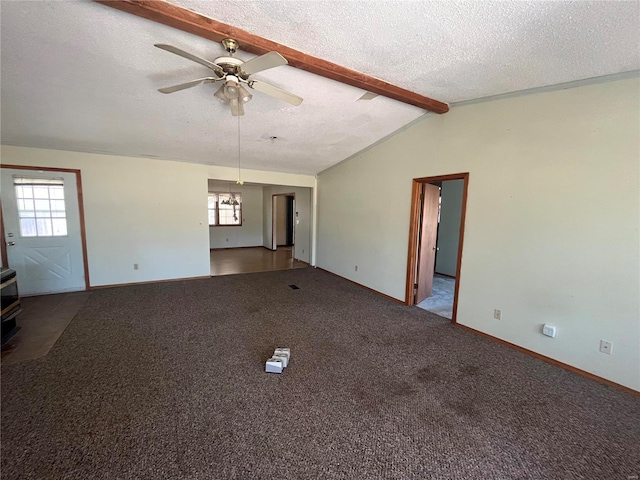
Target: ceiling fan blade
190,84
263,62
275,92
189,56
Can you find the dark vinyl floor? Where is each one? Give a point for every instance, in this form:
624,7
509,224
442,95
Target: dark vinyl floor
42,321
226,261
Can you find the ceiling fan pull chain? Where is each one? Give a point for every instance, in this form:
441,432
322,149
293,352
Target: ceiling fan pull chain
239,181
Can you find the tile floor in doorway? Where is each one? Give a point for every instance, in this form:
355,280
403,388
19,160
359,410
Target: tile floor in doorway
41,322
441,300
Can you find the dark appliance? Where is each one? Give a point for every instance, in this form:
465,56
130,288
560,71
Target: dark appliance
11,306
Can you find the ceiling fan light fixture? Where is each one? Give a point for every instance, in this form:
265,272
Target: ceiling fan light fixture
231,87
220,95
237,110
244,95
231,90
232,72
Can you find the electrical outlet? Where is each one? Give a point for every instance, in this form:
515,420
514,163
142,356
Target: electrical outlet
606,347
303,250
356,268
136,266
549,330
497,314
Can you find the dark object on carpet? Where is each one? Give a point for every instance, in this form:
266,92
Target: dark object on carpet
167,381
294,287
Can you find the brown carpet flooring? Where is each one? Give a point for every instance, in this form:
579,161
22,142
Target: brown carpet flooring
166,381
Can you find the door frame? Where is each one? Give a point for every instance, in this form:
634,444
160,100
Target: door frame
83,234
414,230
273,219
3,243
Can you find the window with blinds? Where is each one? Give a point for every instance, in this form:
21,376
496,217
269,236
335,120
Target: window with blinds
225,209
41,207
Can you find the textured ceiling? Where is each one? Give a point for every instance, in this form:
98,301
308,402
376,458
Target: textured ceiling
82,76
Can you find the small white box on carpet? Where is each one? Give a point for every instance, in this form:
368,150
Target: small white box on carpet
278,361
274,365
283,358
286,352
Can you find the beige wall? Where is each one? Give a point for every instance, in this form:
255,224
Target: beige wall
552,221
150,212
137,210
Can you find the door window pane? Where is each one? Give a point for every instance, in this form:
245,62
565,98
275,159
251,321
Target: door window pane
25,192
28,227
41,192
56,192
44,227
57,205
59,226
42,205
46,215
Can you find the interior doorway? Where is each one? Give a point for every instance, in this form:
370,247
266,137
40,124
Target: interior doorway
283,220
436,237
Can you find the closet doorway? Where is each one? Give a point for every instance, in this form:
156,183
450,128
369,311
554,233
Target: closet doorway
283,220
436,235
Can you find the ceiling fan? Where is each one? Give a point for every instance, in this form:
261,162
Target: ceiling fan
233,72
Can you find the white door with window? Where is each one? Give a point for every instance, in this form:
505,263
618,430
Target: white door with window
42,230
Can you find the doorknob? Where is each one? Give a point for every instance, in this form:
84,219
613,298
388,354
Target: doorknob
11,244
436,249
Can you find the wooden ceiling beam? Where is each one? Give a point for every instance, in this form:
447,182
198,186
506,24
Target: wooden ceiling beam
194,23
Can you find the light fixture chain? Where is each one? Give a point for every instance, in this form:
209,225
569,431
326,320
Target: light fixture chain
239,178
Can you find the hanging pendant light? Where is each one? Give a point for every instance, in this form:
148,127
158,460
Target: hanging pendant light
232,200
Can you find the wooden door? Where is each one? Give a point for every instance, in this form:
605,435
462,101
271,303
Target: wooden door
427,241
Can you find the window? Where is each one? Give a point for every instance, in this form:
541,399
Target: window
41,208
225,209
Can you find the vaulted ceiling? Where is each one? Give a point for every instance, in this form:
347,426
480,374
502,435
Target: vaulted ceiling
83,76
